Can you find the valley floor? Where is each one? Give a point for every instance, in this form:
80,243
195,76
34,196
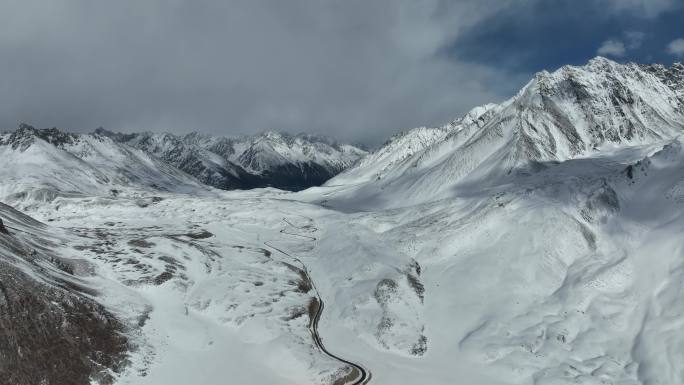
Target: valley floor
218,289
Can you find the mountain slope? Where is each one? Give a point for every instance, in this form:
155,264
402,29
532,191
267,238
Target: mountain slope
566,275
570,113
51,329
43,164
206,166
546,235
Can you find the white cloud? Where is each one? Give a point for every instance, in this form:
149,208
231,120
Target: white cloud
644,8
619,47
676,47
612,48
634,39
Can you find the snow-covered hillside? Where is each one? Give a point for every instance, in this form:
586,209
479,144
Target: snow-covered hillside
535,242
39,165
566,275
570,113
52,331
43,163
546,233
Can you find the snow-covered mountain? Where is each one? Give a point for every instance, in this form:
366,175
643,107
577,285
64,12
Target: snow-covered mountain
535,242
546,231
570,113
39,165
207,166
270,159
44,163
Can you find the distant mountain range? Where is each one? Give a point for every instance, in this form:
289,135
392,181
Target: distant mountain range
270,159
51,161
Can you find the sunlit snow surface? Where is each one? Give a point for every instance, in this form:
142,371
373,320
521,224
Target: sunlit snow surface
570,275
207,299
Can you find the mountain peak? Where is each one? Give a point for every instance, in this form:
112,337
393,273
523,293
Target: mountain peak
559,115
600,62
579,108
25,135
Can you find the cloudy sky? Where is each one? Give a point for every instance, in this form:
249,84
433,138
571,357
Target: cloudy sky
357,70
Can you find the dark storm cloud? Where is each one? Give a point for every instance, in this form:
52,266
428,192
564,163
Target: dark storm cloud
358,70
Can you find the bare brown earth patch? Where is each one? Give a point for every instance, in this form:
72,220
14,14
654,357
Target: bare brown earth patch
49,335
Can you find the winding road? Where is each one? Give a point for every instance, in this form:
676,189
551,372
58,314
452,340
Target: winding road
358,374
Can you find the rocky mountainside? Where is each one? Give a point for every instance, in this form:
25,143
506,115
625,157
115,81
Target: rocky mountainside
51,329
570,113
270,159
673,76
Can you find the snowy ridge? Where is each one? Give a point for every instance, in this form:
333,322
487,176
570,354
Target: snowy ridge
569,113
397,150
271,149
673,77
268,159
43,164
203,164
